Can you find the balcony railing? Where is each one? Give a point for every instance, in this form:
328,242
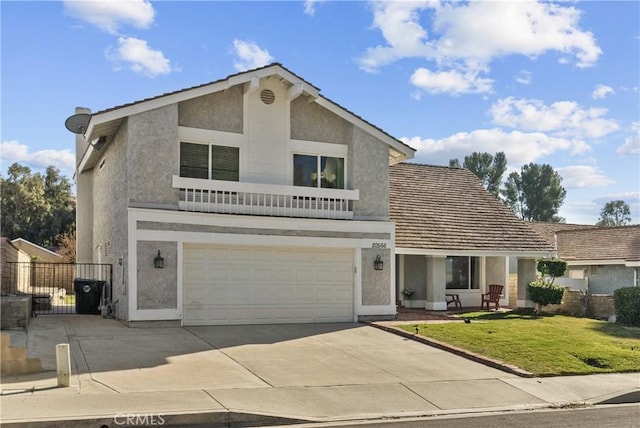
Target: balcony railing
230,197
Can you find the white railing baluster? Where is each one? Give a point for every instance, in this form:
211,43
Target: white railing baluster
228,197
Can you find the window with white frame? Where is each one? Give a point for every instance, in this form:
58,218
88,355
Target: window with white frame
462,273
209,161
318,171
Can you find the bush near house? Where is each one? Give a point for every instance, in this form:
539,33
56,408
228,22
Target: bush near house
545,294
627,303
542,291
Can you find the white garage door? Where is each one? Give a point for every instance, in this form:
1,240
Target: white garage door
263,285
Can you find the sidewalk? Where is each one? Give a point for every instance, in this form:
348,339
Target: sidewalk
267,375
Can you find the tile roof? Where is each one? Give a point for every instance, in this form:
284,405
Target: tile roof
600,243
445,208
548,229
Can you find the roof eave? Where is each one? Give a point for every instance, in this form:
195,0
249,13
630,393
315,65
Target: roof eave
471,252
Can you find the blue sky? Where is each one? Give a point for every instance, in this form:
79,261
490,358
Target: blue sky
554,83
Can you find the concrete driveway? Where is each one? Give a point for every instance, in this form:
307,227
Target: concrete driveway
302,371
261,356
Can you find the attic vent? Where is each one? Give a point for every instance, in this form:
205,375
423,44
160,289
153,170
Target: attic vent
267,96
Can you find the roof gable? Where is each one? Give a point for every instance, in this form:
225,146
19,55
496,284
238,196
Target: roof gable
103,124
446,208
35,250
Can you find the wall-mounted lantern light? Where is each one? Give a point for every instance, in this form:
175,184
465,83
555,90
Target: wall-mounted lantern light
378,264
158,261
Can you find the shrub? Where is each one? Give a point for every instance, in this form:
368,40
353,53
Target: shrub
627,303
552,268
545,294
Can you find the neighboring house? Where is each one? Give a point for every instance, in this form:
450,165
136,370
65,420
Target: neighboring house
263,201
452,236
26,265
36,252
607,257
11,254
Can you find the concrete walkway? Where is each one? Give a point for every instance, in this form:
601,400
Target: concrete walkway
259,375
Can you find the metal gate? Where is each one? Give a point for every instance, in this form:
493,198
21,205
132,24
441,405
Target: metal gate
60,288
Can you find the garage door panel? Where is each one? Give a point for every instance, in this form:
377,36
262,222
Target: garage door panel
238,285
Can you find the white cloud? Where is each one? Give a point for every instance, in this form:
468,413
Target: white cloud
580,176
520,148
524,77
110,15
310,6
601,91
562,118
465,37
250,55
140,57
631,144
12,151
452,82
401,29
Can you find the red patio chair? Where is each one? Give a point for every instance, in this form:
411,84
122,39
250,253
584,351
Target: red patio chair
493,296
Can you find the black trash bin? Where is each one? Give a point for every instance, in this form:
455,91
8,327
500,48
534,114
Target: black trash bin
88,294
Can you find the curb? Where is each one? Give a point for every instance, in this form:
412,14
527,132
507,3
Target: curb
496,364
208,419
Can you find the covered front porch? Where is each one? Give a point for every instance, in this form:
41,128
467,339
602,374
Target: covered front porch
435,277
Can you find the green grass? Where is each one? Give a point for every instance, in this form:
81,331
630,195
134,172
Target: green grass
543,345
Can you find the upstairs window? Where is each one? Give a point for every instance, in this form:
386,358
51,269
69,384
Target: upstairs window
209,161
318,171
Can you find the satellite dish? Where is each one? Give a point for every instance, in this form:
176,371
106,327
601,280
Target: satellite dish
77,123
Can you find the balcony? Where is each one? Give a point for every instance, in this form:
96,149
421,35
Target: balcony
231,197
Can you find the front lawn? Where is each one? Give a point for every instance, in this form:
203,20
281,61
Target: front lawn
543,345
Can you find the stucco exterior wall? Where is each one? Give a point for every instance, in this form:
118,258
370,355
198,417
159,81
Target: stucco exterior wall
157,288
605,279
220,111
153,154
526,273
84,217
369,172
109,178
376,283
311,122
496,272
415,275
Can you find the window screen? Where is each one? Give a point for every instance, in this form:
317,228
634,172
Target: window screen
225,163
194,160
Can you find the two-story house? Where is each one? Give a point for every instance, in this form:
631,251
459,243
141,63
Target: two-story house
251,199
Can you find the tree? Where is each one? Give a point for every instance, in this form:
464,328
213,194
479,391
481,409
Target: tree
615,213
67,247
489,169
535,194
35,207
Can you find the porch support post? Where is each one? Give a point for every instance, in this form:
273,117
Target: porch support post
435,299
526,274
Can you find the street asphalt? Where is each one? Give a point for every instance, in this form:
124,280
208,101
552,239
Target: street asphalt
265,375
